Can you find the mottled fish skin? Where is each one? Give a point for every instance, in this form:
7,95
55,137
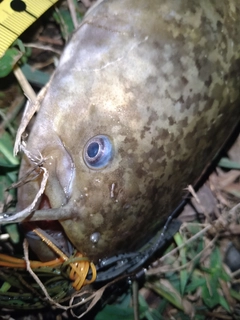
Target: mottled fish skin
161,79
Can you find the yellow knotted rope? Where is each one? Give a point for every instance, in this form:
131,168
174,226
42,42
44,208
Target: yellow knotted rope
79,265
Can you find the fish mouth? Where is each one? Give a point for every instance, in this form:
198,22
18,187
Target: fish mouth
51,230
55,189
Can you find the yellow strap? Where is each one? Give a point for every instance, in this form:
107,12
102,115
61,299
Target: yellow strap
16,16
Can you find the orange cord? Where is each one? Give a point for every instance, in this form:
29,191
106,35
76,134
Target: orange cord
11,262
78,270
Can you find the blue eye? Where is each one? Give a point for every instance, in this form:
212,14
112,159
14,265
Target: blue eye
98,152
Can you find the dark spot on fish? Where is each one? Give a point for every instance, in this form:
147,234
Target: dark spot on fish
190,101
180,37
145,129
208,81
198,64
140,172
171,121
130,143
220,12
161,152
219,26
184,81
92,109
183,123
153,117
163,134
181,100
151,80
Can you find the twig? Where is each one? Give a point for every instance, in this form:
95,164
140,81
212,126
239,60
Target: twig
73,13
26,87
20,216
29,111
43,47
161,269
35,277
135,300
94,298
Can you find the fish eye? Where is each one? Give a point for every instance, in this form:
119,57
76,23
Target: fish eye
98,152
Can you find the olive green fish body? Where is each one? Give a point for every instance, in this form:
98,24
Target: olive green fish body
144,95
